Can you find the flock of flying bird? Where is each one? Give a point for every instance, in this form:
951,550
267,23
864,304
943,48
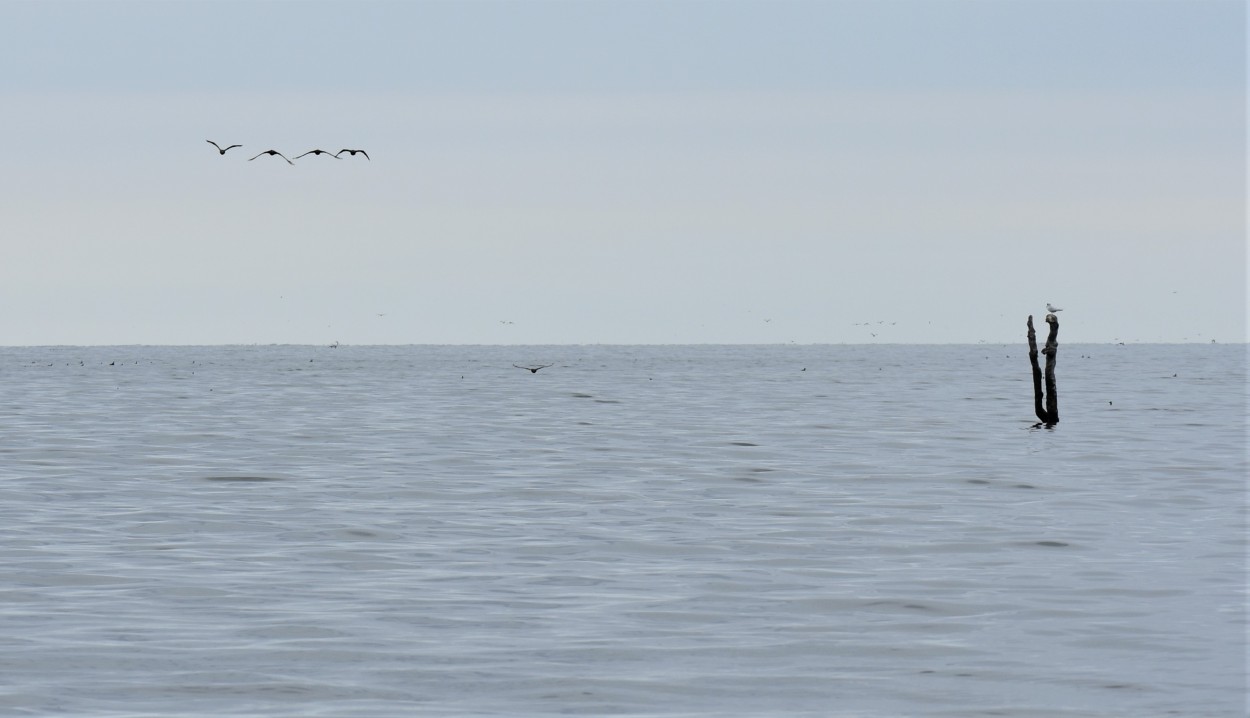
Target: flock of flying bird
271,153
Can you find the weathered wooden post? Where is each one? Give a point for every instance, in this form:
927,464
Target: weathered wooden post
1049,413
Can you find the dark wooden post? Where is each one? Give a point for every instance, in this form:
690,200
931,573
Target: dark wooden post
1050,350
1049,413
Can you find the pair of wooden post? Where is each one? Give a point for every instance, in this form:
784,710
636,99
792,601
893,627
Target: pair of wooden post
1049,413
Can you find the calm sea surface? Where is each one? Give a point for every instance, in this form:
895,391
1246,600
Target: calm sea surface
758,530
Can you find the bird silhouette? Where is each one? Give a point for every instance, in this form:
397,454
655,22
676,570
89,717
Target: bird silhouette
351,152
532,369
1052,308
318,152
220,151
273,152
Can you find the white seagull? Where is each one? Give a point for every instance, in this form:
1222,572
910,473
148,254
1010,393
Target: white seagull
1052,308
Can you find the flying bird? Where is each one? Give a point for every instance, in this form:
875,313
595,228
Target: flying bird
273,152
532,369
1052,308
220,151
351,152
318,152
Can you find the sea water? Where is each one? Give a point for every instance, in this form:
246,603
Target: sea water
660,531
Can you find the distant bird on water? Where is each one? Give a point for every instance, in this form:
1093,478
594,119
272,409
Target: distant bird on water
220,151
1052,308
318,153
532,369
271,153
351,152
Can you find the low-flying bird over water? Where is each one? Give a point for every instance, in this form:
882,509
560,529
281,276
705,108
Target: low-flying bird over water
351,152
220,151
532,369
318,153
273,152
1052,308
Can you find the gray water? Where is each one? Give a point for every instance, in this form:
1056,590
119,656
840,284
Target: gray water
771,530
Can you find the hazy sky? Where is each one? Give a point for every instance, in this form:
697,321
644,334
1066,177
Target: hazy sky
598,171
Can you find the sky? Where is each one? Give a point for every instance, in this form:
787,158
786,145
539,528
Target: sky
622,172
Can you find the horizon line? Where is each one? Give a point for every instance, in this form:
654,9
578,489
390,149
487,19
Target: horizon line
612,344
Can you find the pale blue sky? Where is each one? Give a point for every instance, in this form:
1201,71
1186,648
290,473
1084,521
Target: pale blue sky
622,172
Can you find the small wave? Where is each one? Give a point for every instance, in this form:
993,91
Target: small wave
242,478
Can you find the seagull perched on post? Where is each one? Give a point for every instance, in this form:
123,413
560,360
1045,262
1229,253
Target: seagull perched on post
351,152
1052,308
318,153
220,151
271,153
